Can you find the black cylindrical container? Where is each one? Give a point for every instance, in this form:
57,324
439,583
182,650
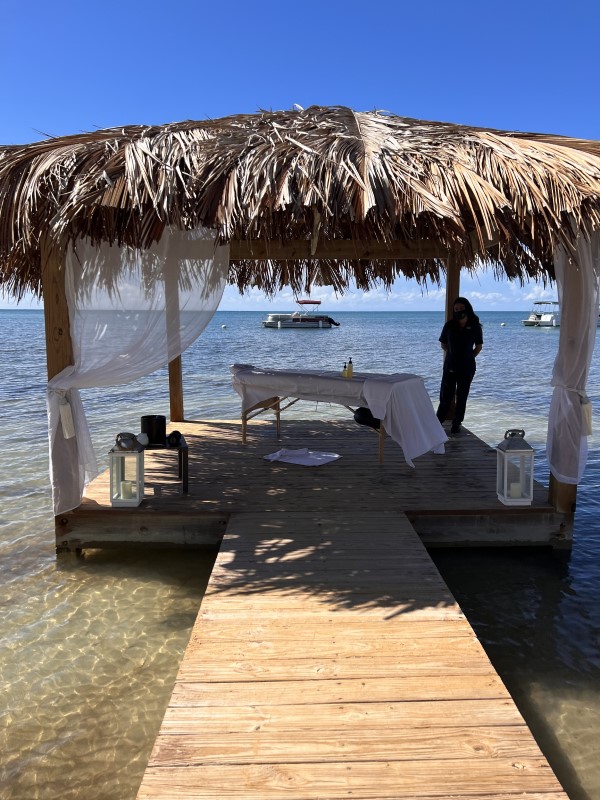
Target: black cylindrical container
155,425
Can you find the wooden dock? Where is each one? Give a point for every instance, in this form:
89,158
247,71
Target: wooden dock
450,499
329,660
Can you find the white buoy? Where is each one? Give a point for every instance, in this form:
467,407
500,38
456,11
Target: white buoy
502,324
223,326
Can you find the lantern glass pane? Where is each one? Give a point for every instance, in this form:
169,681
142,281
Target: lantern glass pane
500,474
126,478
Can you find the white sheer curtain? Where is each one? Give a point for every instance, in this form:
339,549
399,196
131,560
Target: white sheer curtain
568,420
130,313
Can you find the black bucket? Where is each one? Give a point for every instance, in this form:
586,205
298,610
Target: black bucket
155,425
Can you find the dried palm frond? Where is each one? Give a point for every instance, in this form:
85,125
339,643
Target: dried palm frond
318,196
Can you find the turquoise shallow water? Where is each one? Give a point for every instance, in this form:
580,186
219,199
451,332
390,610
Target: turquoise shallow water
89,648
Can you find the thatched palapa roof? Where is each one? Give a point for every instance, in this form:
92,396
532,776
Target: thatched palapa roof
323,195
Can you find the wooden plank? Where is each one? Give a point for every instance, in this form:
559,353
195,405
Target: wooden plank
405,652
478,743
322,614
344,666
288,557
323,628
360,581
329,717
362,781
398,688
93,527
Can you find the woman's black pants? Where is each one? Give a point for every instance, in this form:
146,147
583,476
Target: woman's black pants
454,383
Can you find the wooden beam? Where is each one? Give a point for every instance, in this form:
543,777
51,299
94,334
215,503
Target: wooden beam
347,249
260,250
452,285
59,347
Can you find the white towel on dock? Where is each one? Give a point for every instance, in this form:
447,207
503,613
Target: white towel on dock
303,456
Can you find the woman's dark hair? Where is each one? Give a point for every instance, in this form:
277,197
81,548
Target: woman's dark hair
472,316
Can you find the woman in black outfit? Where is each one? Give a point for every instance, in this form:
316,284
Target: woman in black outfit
462,341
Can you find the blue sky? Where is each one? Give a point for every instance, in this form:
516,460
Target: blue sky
70,66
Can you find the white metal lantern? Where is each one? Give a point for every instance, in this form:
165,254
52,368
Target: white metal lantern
514,469
126,476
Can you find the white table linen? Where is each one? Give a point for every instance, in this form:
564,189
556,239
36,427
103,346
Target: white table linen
400,400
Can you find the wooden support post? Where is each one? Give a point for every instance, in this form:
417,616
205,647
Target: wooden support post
176,390
174,346
59,347
452,292
563,496
452,285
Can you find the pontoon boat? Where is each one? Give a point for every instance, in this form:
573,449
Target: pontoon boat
305,318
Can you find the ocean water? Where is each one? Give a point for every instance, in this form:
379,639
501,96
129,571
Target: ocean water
89,648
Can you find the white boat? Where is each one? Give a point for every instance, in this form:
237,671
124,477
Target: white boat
305,318
544,314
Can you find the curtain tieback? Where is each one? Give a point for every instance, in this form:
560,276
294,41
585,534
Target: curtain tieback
66,414
582,394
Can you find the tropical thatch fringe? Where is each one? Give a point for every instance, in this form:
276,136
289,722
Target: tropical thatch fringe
323,174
